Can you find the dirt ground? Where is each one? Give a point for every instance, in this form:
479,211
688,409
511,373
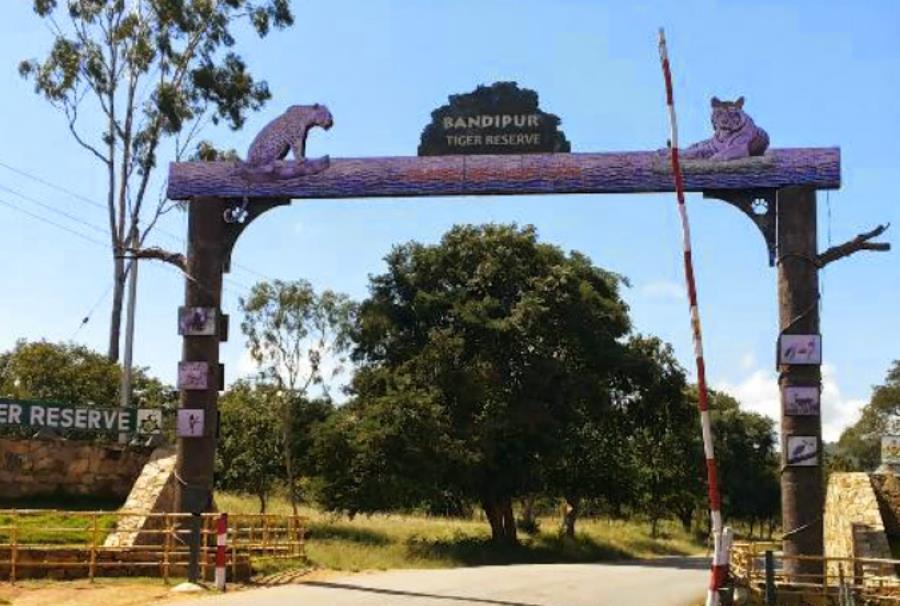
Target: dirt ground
125,592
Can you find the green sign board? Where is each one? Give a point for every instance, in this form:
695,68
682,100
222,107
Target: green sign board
25,413
497,119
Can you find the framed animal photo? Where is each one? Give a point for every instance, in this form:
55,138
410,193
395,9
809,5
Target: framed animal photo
149,421
890,450
190,422
193,375
800,349
801,401
197,321
802,451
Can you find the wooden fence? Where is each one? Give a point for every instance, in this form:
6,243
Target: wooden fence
867,580
74,544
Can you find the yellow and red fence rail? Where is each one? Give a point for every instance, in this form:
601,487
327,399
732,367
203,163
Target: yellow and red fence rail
869,580
76,544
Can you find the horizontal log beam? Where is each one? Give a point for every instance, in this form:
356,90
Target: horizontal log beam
607,173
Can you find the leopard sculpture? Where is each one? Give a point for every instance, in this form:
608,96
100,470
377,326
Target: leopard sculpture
286,134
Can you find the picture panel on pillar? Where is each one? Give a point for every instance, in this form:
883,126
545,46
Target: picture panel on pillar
802,451
800,349
197,321
193,376
801,401
191,422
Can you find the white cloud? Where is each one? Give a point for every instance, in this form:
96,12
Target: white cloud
663,290
748,361
758,392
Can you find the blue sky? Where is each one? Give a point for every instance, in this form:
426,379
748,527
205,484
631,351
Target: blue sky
813,74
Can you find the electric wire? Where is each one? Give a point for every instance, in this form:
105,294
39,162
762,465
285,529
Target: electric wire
59,188
54,223
90,313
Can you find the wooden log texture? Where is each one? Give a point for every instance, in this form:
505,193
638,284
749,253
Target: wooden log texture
609,173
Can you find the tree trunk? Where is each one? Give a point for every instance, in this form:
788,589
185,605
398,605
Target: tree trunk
492,513
509,522
528,510
654,527
262,501
115,319
751,528
570,516
499,513
289,463
687,517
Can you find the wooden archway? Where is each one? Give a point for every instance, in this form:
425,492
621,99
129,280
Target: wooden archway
776,191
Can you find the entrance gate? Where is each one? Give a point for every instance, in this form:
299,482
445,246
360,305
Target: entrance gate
776,191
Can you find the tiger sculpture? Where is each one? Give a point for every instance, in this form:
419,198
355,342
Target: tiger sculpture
735,135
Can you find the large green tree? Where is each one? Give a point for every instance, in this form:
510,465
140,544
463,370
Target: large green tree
298,339
860,444
486,342
129,74
248,453
73,374
747,462
662,431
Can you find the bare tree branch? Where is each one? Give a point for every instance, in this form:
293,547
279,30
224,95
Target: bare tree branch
860,242
159,254
71,112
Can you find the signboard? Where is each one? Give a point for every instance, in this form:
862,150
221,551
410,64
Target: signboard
24,413
496,119
190,422
197,321
193,375
802,451
149,421
890,450
801,400
800,349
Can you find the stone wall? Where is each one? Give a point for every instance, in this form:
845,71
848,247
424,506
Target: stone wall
853,525
153,492
887,491
56,467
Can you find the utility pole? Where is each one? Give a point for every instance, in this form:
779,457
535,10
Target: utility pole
125,389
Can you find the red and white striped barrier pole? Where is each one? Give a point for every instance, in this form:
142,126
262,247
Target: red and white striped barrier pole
221,546
721,542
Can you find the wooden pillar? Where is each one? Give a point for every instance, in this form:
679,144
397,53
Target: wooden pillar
802,488
203,288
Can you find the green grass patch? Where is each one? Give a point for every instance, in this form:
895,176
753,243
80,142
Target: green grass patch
54,528
380,542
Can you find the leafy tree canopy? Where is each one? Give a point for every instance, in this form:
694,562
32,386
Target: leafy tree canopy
141,72
489,339
72,374
860,444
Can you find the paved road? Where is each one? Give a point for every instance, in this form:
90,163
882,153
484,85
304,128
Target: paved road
663,582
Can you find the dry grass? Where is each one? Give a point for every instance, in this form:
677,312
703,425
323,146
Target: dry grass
381,542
